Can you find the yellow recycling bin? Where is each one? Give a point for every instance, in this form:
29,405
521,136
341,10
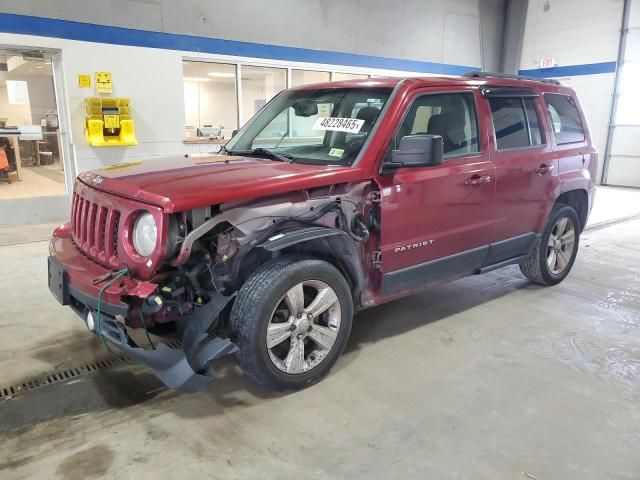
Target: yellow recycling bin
108,122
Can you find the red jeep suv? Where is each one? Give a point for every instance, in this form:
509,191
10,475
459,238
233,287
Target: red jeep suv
335,197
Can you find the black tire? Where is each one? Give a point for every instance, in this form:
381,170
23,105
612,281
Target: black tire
256,302
536,268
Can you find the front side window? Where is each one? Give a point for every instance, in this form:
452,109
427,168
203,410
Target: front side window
515,122
323,126
567,126
450,115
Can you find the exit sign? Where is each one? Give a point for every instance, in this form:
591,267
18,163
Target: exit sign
548,62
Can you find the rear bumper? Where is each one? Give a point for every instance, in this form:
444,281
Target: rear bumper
76,281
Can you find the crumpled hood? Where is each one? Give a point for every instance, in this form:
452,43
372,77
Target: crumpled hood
181,183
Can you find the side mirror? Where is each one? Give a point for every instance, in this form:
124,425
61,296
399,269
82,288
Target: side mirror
422,150
234,133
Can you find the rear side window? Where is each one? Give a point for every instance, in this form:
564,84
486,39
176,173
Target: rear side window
565,119
515,122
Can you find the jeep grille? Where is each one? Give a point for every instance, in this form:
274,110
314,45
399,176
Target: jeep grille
95,230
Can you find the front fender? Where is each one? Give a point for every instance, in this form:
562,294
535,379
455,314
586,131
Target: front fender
322,242
288,238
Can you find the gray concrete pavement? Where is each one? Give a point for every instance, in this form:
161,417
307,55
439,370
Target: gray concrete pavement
488,377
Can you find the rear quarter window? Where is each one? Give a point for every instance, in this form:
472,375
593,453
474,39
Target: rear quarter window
565,118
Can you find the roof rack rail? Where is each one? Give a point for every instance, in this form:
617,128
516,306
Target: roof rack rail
479,74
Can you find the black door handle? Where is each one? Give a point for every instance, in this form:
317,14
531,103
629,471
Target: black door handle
544,169
476,180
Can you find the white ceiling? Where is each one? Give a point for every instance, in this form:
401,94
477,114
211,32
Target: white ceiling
18,66
21,62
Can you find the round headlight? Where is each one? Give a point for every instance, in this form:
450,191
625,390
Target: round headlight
145,234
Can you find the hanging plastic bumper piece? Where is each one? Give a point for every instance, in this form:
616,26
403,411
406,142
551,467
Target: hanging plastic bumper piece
186,370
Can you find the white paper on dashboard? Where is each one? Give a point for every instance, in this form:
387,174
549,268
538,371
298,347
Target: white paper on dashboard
337,124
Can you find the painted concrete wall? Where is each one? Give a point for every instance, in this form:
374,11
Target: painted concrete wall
444,31
575,32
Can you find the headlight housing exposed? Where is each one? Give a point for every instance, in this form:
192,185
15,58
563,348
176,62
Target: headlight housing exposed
145,234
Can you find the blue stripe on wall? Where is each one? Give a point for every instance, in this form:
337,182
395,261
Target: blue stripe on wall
48,27
571,70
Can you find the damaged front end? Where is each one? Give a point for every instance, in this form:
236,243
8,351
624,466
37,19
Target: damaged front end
187,369
210,253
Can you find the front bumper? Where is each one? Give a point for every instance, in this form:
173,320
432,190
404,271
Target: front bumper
72,281
188,369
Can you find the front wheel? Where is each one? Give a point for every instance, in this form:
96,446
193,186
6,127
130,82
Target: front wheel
291,321
553,257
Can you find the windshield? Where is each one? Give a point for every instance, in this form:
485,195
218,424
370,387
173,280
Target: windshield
323,127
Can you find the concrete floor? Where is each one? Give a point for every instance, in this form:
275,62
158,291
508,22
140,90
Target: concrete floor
488,378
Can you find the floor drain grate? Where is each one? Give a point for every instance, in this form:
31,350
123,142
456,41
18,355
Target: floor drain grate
68,374
57,377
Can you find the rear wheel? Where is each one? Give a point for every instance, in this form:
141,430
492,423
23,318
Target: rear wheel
552,259
291,322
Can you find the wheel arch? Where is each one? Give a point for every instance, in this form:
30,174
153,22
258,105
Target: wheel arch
329,244
578,200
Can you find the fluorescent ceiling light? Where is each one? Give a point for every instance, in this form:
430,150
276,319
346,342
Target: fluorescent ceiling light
196,79
222,74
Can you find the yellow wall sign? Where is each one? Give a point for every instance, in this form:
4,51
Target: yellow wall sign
84,81
103,82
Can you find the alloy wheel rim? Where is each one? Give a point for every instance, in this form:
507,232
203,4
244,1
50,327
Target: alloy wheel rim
304,327
560,245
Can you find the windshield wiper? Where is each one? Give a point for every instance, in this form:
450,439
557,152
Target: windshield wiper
283,157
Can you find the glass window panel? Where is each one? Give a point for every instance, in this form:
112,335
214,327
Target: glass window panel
27,97
307,77
452,116
259,85
509,123
567,125
210,99
318,126
349,76
534,121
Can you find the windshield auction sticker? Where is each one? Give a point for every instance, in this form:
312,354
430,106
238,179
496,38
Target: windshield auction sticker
336,124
